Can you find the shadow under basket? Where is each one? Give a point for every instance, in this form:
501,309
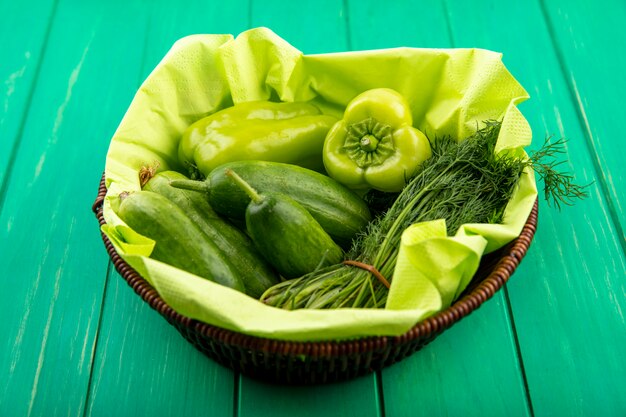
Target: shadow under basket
288,362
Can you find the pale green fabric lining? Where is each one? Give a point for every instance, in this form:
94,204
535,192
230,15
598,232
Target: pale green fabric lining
451,91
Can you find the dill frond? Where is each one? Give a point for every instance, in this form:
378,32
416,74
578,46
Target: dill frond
559,187
463,182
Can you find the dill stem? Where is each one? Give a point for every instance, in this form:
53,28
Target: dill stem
400,219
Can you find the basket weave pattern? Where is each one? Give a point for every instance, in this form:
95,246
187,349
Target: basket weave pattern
331,361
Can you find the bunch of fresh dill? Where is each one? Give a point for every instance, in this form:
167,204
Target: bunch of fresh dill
463,182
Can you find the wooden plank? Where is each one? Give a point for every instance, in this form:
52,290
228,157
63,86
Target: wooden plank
470,370
168,23
567,297
454,374
53,265
374,25
142,364
320,28
590,40
144,367
22,36
310,26
353,398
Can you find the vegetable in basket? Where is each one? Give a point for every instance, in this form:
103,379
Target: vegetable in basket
375,145
285,233
283,132
340,212
179,241
463,182
256,274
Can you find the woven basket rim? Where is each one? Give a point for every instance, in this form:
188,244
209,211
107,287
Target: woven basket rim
424,330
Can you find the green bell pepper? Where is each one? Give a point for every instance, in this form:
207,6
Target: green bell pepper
375,144
261,130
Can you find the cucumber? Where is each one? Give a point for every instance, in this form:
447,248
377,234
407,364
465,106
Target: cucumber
340,212
257,275
286,233
179,241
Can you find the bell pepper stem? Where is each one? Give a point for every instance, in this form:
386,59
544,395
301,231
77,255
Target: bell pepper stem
252,193
191,185
369,143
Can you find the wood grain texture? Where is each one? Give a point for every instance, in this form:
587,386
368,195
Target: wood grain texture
310,26
568,307
470,370
399,23
142,365
168,22
456,372
320,28
77,341
590,40
355,398
22,38
53,267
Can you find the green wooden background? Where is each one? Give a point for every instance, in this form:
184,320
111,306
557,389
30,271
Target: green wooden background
76,341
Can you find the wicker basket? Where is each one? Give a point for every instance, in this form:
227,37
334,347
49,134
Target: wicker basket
320,362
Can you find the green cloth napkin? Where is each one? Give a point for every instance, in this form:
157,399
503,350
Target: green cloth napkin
450,91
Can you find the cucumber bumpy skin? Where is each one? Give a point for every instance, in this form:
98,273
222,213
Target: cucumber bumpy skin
255,272
179,241
341,212
286,233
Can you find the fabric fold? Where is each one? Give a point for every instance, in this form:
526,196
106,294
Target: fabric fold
450,91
